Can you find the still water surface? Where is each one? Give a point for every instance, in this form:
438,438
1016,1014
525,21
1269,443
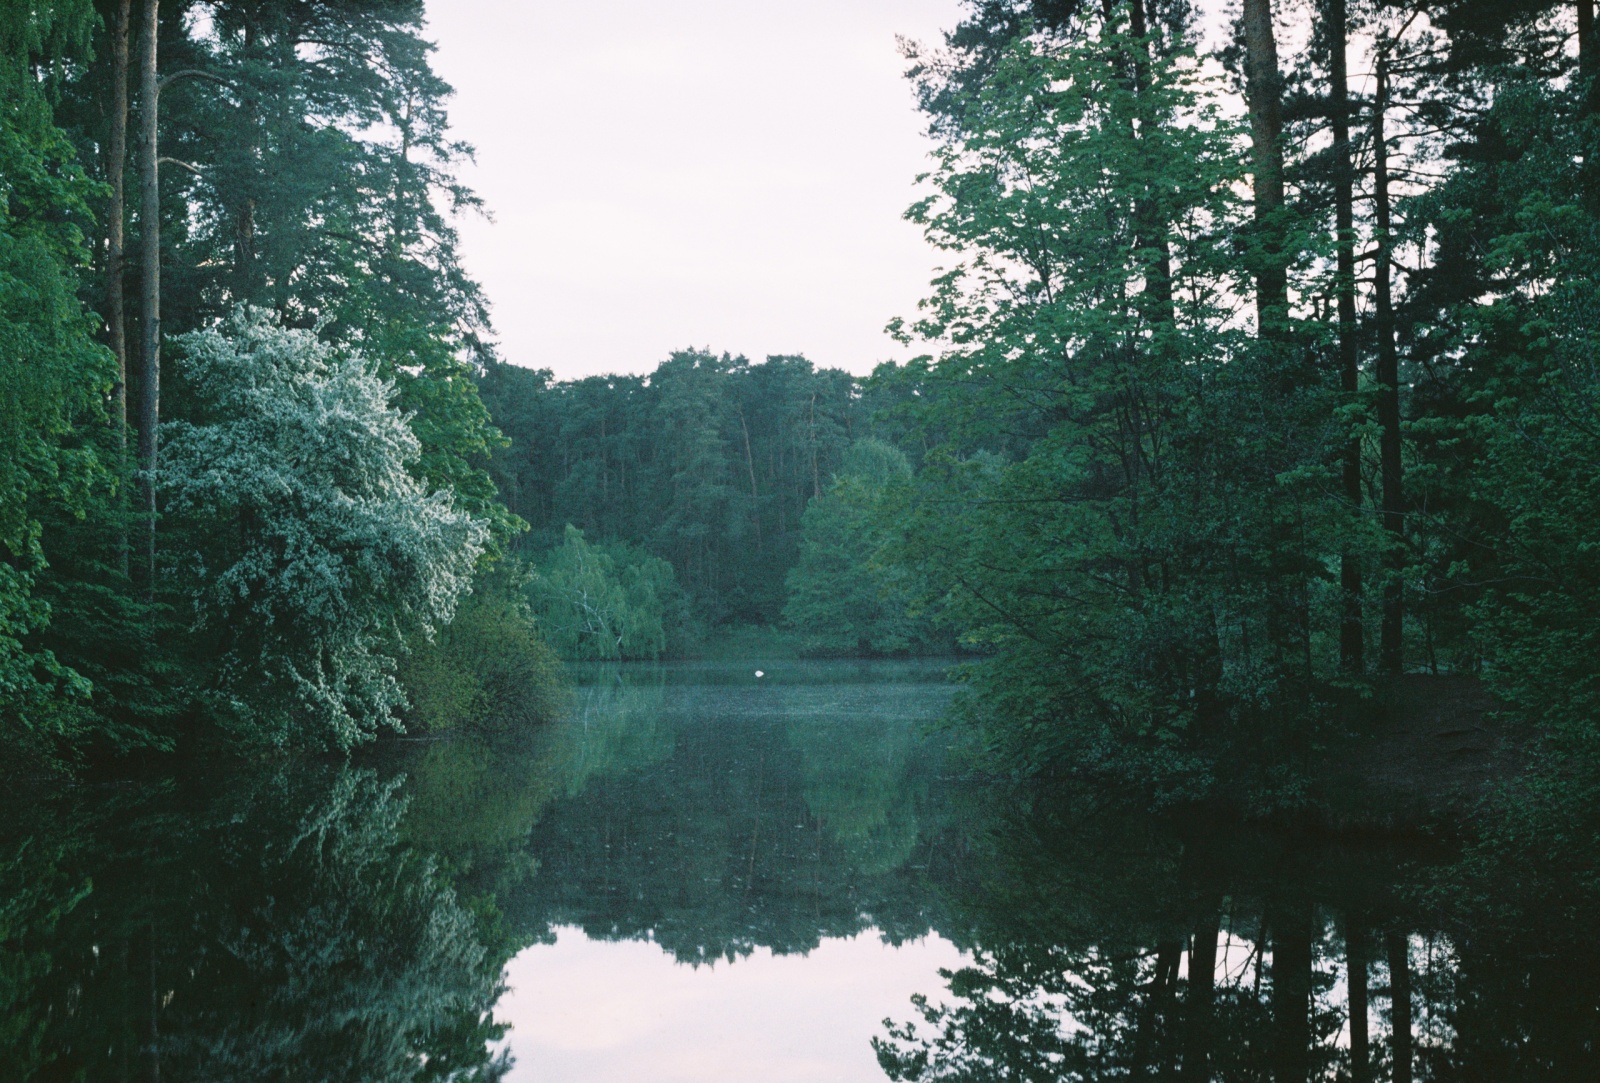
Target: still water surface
702,875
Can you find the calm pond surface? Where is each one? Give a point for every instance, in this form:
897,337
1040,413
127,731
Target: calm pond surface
703,875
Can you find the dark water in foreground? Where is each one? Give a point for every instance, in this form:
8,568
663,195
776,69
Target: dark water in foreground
703,876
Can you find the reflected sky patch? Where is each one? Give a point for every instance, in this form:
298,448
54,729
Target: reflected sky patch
617,1011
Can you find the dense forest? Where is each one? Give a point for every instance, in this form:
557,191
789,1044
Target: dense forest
1256,379
754,488
245,496
319,532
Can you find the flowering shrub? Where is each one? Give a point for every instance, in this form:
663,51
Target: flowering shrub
316,548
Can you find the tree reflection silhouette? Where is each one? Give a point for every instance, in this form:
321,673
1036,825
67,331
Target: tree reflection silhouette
325,922
275,928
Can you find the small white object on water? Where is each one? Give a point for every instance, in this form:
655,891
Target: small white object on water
760,674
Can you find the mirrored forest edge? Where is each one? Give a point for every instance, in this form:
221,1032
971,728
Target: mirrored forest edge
1249,463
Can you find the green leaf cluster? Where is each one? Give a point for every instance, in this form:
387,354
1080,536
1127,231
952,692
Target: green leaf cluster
604,602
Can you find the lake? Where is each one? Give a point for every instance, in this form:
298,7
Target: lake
701,874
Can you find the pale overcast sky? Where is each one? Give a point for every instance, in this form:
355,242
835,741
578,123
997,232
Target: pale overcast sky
668,173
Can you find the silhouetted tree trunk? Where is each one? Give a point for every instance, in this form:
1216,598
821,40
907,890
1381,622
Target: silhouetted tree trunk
1152,238
1355,951
1586,37
1400,1001
1291,993
116,247
1390,640
1352,636
1157,1001
1199,1002
152,1034
150,229
1588,53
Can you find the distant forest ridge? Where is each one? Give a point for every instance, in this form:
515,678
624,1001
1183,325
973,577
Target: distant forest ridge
709,462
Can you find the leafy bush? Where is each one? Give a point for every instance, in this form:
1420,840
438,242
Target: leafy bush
842,596
488,669
313,550
605,601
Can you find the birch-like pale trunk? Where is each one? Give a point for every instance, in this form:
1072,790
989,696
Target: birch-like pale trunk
150,285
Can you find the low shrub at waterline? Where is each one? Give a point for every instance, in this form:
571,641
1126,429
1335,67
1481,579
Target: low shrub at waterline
488,670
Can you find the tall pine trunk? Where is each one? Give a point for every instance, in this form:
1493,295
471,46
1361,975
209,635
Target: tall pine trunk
1390,640
1200,997
116,248
1264,94
1352,635
1152,240
1291,992
1588,60
150,314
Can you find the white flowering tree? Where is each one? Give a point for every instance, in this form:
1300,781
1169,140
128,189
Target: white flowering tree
308,549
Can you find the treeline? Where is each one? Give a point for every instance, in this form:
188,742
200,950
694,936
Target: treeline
694,483
242,452
708,462
1257,378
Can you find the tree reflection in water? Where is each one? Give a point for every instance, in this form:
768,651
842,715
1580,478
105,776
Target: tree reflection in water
273,928
352,923
1102,949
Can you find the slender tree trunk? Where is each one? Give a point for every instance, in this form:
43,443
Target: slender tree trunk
116,249
127,1027
1587,59
1291,993
150,229
750,462
1264,94
1152,237
1586,36
1352,635
1355,951
1155,1007
1199,1001
816,478
244,227
1400,1001
1390,642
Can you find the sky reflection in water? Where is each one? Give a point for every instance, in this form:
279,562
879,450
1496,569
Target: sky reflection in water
702,875
584,1009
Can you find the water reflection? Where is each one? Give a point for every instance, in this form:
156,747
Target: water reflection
782,858
267,928
743,815
1121,947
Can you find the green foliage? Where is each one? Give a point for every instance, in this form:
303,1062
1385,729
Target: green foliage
842,594
708,463
1533,432
326,192
604,602
1148,590
488,670
312,548
52,378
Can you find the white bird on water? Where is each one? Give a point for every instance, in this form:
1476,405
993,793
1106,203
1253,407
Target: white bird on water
760,674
